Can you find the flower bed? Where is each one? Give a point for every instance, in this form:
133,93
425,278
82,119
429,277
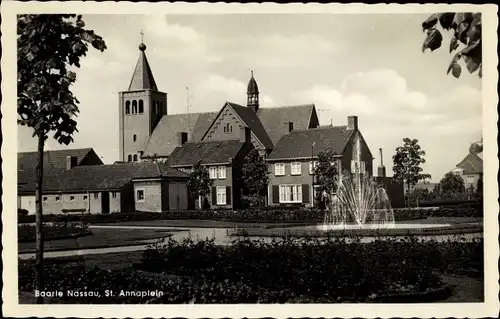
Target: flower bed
52,230
276,272
266,215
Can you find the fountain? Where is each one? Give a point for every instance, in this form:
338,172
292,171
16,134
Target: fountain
359,202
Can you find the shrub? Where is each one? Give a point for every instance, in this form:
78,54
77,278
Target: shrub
22,212
52,230
261,214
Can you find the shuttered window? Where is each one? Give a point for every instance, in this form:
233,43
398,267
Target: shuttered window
290,193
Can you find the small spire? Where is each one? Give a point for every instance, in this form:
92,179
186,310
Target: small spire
251,72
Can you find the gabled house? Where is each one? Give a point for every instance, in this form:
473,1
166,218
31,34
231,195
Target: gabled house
471,167
96,189
224,160
291,163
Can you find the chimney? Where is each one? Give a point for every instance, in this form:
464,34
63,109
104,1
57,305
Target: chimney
290,126
71,162
181,138
245,134
352,122
381,168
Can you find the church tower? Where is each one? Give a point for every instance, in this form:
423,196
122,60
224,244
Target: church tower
253,94
140,109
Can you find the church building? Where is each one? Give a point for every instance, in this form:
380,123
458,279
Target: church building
147,131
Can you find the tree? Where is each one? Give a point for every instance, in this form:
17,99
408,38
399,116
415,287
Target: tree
199,182
452,184
466,28
326,174
479,188
407,161
48,46
255,176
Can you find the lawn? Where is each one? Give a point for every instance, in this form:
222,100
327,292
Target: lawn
204,223
100,238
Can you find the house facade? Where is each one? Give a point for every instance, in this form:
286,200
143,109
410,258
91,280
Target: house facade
224,161
471,167
291,163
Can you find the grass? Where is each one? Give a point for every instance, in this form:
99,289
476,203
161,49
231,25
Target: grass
100,238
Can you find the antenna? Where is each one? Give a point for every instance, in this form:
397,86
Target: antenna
187,106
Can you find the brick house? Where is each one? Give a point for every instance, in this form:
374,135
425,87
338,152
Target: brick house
119,187
293,158
223,159
471,167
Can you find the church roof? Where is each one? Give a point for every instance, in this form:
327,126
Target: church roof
274,118
164,140
142,79
298,144
252,120
471,164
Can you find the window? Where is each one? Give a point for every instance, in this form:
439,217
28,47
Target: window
134,107
71,197
140,195
141,107
212,171
221,172
312,166
361,168
84,197
279,169
135,157
130,158
45,198
221,195
127,107
96,195
113,194
135,137
469,179
295,168
57,198
290,193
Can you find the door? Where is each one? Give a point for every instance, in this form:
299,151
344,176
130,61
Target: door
28,203
105,202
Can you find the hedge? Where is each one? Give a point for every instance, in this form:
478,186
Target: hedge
51,231
265,215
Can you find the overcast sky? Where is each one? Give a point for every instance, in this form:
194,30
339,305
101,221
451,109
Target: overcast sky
367,65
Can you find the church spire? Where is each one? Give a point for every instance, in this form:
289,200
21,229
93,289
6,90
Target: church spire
142,79
253,94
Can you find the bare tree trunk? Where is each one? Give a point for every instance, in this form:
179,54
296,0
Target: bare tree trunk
39,219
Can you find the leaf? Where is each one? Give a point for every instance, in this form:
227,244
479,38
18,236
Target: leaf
445,19
433,40
455,69
461,32
481,71
453,44
430,22
472,63
474,31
